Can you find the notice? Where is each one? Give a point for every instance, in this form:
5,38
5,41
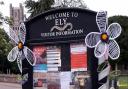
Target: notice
65,78
78,57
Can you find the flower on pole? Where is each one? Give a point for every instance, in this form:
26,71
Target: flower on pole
20,52
105,39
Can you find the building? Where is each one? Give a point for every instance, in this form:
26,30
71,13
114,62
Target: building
17,16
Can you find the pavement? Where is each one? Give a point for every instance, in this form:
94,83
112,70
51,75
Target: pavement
13,86
10,86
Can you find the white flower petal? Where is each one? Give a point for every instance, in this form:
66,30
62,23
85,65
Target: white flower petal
114,30
92,39
22,32
101,20
19,62
14,36
103,58
13,54
100,49
29,56
114,50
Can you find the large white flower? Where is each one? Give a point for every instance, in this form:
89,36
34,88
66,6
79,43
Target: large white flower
20,51
105,39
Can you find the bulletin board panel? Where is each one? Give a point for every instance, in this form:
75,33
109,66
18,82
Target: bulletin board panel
62,27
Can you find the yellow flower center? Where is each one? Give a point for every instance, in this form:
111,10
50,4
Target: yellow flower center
20,45
104,37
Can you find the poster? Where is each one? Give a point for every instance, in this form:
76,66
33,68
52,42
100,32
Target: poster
80,80
78,57
65,78
40,69
40,80
41,61
53,80
47,72
53,58
40,53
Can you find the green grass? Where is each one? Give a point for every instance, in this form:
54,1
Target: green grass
123,87
123,82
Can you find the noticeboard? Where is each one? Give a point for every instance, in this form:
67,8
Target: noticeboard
63,27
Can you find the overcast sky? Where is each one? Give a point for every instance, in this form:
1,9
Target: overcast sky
113,7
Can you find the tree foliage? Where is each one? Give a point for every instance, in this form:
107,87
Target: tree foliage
4,49
70,3
122,39
1,16
5,46
5,19
1,2
37,7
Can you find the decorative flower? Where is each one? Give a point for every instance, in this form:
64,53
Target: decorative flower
105,39
20,52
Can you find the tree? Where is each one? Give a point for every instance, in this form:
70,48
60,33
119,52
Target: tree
4,49
1,16
35,8
122,40
1,2
70,3
5,19
5,46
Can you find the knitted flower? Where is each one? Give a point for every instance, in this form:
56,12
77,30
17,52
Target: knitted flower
20,52
105,39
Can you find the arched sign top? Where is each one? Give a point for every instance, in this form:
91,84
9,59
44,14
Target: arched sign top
61,10
61,25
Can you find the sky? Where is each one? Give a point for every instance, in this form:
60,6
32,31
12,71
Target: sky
113,7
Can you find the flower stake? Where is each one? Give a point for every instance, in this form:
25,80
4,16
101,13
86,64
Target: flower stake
104,44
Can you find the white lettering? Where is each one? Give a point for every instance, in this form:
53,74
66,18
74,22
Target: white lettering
56,22
62,33
61,15
74,14
60,21
47,34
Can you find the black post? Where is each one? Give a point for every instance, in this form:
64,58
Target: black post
65,57
27,75
93,64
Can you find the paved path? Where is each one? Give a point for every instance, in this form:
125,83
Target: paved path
10,86
13,86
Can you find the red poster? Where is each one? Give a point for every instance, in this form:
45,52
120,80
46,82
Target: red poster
78,57
40,53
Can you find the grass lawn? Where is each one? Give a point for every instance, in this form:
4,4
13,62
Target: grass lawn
123,82
123,87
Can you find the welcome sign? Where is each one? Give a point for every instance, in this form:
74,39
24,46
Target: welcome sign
57,38
61,25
